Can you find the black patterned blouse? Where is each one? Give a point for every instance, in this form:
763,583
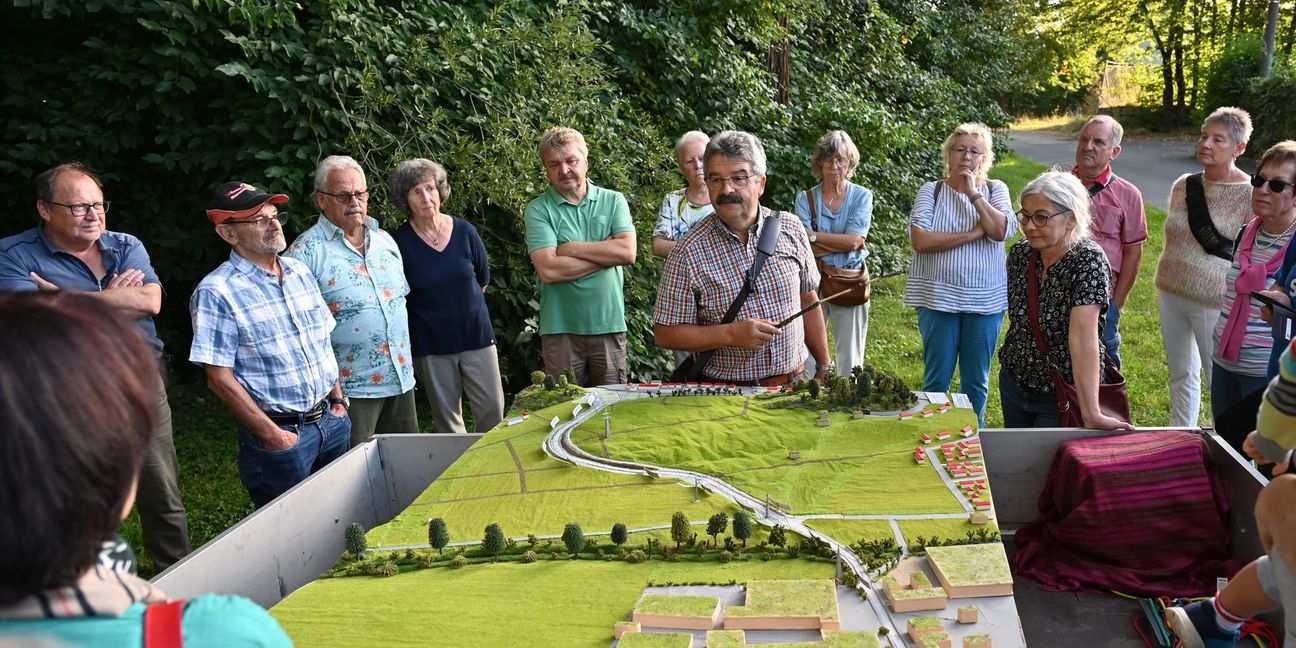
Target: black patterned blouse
1081,277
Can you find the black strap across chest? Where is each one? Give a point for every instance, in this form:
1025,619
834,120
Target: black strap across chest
1200,223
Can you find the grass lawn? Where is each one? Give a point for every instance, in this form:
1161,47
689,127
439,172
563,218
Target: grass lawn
726,639
979,564
656,640
667,605
789,598
551,603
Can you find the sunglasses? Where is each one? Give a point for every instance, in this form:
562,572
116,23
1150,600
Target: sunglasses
1276,186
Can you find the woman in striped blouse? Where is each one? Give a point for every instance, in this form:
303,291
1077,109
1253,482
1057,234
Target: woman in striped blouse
957,280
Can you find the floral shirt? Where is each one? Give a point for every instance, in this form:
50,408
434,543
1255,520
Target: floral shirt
677,216
366,294
1080,278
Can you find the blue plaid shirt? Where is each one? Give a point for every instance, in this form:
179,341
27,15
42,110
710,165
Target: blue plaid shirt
273,333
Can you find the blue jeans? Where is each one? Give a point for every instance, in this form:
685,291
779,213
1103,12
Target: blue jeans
965,339
1023,409
1228,388
267,475
1111,333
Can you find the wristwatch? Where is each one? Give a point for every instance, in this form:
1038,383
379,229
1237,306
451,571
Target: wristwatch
814,236
345,402
828,367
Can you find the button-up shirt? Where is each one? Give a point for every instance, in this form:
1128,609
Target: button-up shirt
272,331
366,294
705,273
22,254
1116,216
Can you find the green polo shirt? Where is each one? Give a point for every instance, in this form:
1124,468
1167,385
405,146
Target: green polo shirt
595,303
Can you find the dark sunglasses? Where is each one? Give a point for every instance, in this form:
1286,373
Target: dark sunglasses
1276,186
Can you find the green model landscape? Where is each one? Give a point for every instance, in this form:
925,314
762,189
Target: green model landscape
665,605
536,591
816,598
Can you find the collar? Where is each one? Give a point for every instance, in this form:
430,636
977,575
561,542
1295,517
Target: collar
98,592
333,232
589,194
1102,180
753,232
243,265
51,249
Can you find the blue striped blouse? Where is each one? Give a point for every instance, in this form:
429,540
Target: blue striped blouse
970,278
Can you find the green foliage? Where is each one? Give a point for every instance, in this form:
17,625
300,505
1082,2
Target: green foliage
619,534
438,534
742,526
573,538
636,556
537,378
562,381
459,562
681,529
493,542
725,556
528,557
388,569
355,540
717,525
550,383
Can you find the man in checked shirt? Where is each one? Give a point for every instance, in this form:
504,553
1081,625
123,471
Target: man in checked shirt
705,273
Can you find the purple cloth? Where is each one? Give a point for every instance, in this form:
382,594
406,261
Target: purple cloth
1140,513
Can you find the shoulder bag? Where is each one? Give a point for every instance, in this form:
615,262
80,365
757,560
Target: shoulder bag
1113,398
695,364
832,279
1199,220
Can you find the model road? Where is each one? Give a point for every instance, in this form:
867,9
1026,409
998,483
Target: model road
559,446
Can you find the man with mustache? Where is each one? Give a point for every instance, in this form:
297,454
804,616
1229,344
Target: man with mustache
1119,224
261,333
72,249
706,271
579,235
362,278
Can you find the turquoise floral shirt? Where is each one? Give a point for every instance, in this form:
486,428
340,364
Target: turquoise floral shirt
366,294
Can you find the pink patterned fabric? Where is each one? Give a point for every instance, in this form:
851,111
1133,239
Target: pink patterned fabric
1140,513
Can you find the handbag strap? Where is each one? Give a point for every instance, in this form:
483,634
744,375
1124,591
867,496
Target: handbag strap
162,625
1032,303
765,246
1199,220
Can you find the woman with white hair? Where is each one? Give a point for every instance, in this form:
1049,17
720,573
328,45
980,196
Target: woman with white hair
957,282
1206,211
837,214
1074,285
683,208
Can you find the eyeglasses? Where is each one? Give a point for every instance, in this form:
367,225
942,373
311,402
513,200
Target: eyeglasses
967,152
1276,186
346,198
1038,220
81,209
738,181
260,221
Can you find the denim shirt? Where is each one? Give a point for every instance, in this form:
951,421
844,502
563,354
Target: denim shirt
854,216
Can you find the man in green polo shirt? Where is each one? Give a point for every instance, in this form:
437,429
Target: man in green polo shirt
579,235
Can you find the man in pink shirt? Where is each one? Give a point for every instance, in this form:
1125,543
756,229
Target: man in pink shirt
1119,224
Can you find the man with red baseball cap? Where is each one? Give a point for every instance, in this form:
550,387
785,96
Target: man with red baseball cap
261,333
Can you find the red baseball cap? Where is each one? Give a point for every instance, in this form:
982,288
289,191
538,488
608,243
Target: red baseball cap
239,200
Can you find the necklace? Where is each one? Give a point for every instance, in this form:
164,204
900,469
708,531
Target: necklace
1279,239
835,200
431,234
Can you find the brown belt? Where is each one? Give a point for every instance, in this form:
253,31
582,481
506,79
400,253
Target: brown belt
777,380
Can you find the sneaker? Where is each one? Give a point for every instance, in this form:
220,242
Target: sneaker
1195,626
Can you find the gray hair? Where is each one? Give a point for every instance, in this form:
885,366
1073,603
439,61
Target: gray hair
832,144
334,163
1117,130
740,145
691,136
983,137
1235,120
412,173
1066,192
560,136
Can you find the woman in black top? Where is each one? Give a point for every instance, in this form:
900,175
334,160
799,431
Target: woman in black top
1074,287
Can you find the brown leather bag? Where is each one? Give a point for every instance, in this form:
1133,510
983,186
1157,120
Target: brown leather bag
832,279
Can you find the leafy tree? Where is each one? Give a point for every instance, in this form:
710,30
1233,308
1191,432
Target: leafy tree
717,525
355,540
574,539
814,389
537,378
438,534
549,383
493,542
570,375
619,534
742,526
681,530
863,384
562,381
778,536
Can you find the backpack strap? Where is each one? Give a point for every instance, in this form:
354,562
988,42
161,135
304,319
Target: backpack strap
162,625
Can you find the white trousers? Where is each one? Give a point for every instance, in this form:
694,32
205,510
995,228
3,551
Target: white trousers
850,331
1187,332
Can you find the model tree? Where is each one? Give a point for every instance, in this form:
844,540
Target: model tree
814,389
493,542
717,525
619,535
438,534
778,536
573,538
681,530
549,383
537,377
355,540
570,374
742,526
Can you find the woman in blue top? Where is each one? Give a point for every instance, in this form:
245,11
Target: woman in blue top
450,327
843,212
77,394
958,280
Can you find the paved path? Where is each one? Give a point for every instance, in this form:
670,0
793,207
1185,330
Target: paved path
1151,164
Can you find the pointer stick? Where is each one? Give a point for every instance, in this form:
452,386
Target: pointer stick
829,298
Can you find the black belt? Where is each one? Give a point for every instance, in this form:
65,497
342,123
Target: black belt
305,418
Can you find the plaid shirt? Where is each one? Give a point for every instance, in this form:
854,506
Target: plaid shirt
273,333
705,273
